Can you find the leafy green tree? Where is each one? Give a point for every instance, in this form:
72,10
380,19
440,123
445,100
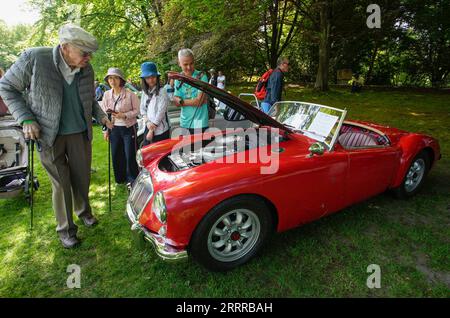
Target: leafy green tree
427,40
242,36
121,26
14,40
245,37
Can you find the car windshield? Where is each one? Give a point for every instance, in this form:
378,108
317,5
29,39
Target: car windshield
318,122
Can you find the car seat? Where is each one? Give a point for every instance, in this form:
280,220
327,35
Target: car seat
356,139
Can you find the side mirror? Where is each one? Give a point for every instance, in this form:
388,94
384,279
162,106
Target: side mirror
316,149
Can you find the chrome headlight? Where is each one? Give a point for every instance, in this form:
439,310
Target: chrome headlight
159,207
139,159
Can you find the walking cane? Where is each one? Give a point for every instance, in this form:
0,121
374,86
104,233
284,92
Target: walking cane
31,183
109,169
109,160
30,144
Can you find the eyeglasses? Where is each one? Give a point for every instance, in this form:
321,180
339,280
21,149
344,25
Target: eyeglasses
85,54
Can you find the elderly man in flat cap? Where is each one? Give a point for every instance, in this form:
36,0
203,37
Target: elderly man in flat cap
56,111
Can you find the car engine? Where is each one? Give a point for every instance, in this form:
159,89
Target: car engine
214,148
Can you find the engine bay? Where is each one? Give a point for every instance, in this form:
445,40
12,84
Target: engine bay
217,147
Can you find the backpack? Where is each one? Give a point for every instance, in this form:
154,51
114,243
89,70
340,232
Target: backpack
261,86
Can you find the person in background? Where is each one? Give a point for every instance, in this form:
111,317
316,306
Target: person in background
123,106
275,84
100,90
220,84
213,78
357,83
193,102
154,104
221,80
3,108
170,89
57,114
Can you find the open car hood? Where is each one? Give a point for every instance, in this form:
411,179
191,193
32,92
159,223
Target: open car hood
251,113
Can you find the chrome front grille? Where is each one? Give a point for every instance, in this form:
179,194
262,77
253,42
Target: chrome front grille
141,193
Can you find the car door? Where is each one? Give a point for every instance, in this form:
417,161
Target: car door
306,187
370,171
324,189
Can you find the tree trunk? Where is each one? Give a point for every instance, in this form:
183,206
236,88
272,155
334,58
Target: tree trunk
273,44
157,10
324,47
372,62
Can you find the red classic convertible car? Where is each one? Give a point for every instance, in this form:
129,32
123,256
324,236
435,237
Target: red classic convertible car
218,196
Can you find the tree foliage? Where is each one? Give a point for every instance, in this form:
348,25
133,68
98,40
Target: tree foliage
427,41
245,37
121,26
14,40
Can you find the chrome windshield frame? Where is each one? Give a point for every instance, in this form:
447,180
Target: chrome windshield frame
250,95
330,146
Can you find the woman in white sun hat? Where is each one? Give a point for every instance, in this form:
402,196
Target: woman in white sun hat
123,106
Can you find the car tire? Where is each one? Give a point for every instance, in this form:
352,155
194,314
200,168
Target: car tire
231,233
414,177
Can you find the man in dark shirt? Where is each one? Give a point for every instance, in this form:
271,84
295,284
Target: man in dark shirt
275,84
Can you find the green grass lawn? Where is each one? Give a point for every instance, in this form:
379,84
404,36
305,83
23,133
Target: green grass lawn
409,240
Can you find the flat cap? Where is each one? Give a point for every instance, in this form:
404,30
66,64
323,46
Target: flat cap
77,36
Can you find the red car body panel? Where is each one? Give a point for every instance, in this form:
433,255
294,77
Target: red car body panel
303,189
408,145
296,192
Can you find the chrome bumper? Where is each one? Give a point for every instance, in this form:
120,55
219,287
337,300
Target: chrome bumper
163,250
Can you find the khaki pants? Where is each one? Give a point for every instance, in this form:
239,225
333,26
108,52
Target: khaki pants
68,164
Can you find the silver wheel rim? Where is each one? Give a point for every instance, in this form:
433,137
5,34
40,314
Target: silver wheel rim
415,175
233,235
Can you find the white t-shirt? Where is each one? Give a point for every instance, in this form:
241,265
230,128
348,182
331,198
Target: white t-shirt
221,82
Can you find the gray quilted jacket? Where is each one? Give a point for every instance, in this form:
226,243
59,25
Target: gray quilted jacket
33,90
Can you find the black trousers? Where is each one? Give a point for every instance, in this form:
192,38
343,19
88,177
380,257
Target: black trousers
123,149
156,138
